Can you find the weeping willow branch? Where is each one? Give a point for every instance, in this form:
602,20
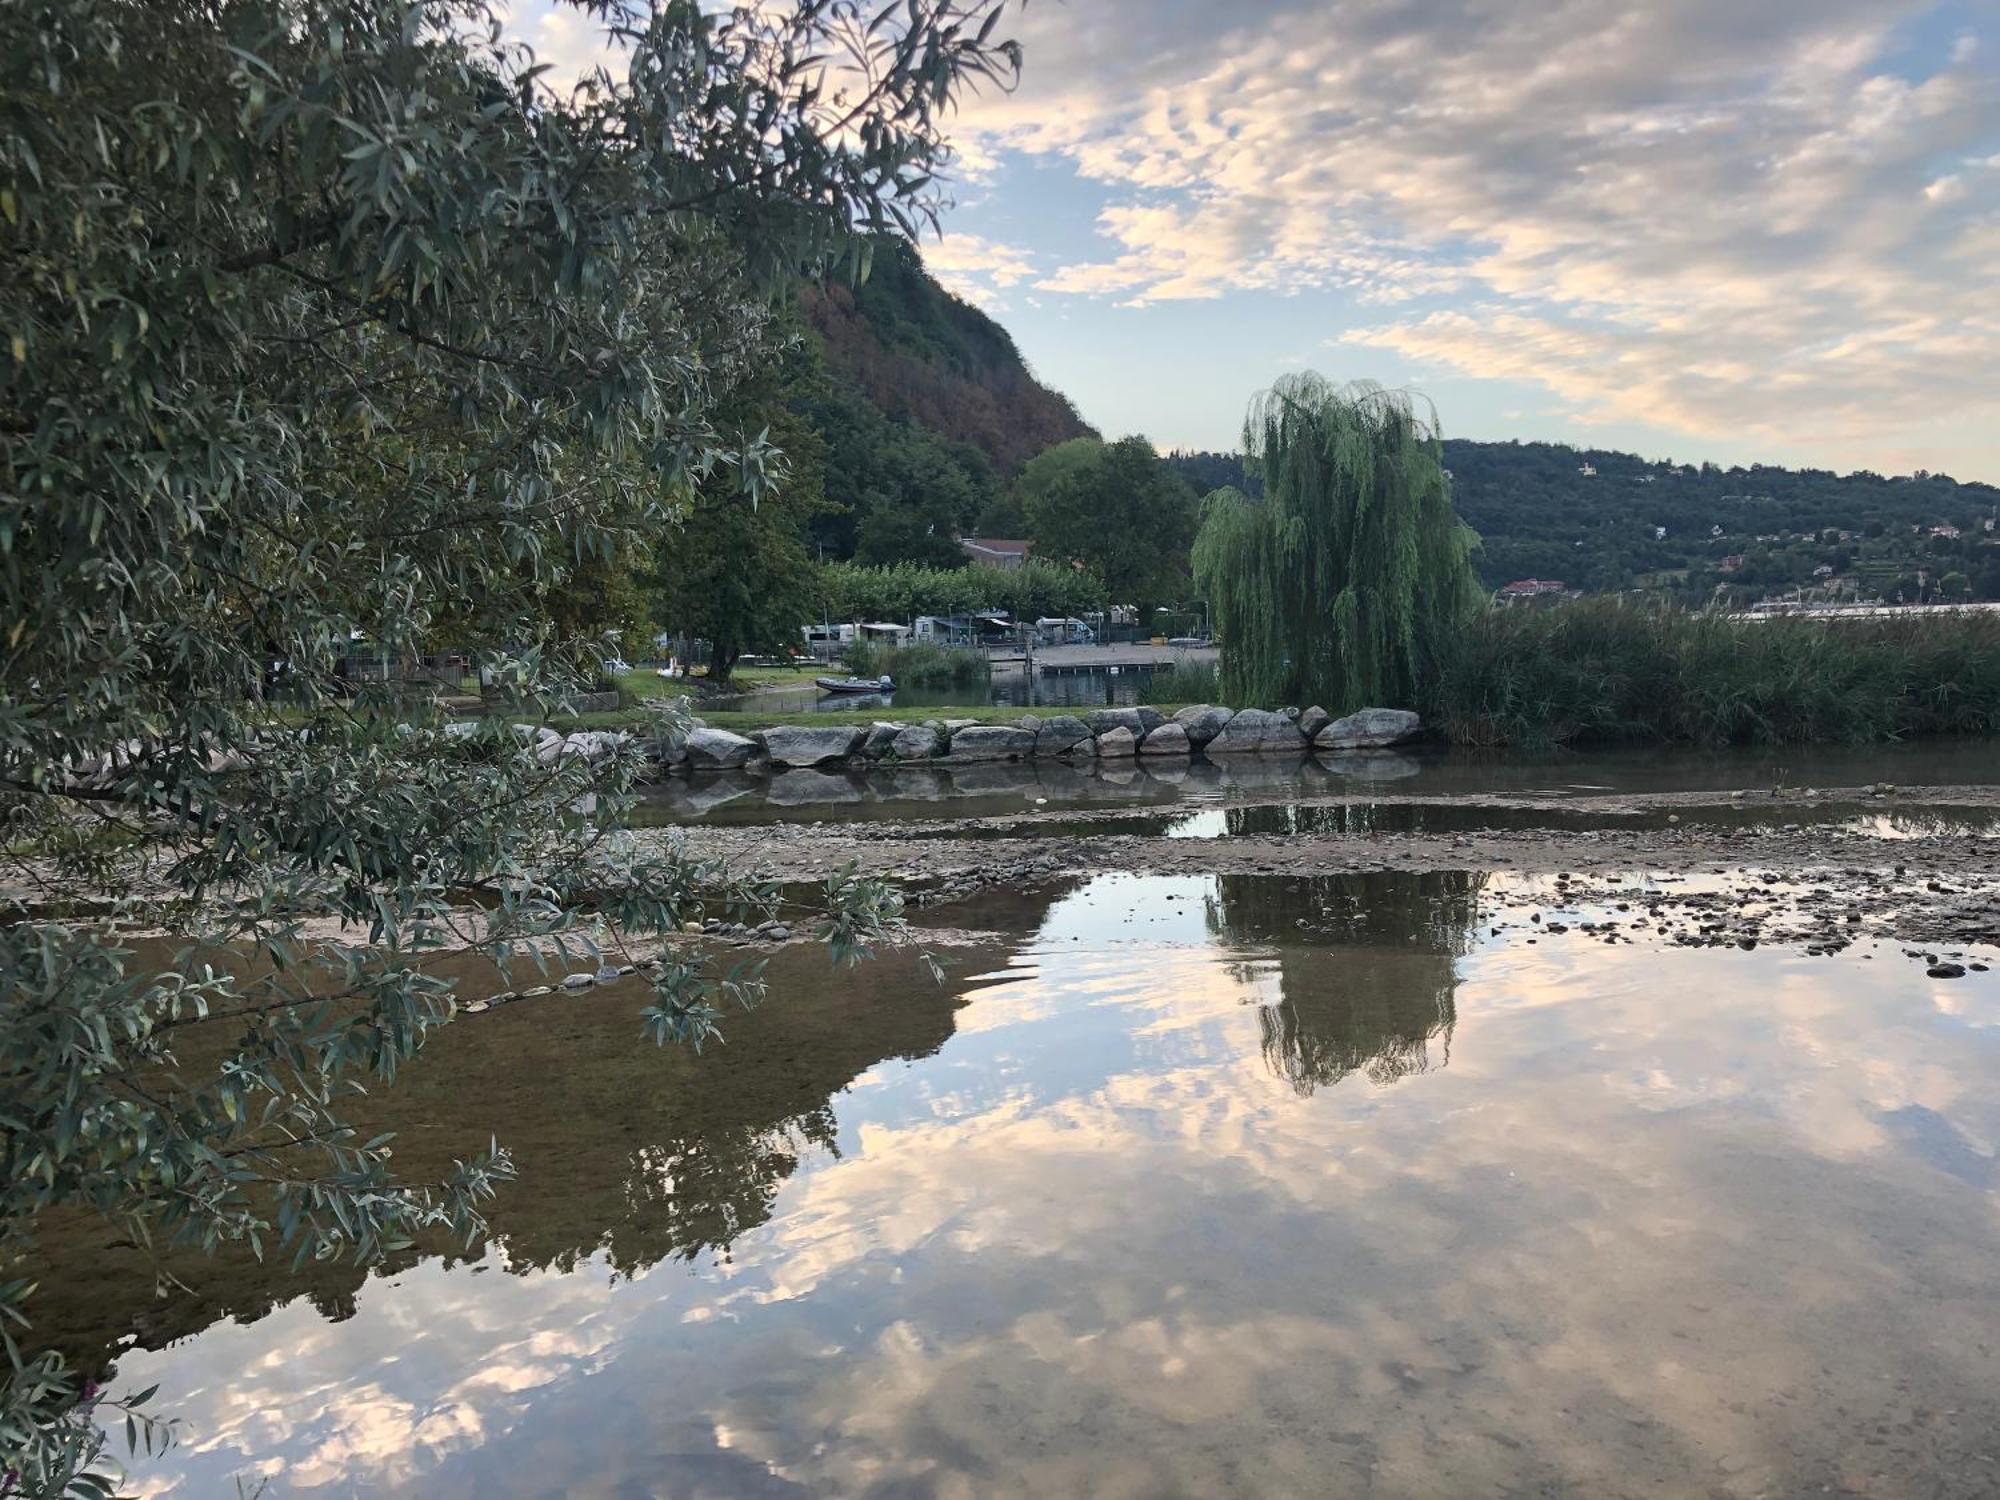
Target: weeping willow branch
1342,584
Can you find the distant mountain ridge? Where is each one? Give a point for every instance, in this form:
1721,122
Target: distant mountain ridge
1592,517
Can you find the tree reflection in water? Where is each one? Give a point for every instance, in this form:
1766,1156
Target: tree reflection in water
1366,967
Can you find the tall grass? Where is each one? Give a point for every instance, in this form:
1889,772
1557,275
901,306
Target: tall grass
920,664
1183,682
1601,671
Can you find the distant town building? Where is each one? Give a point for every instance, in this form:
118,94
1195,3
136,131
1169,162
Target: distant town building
995,552
1587,469
1730,563
1946,530
1529,588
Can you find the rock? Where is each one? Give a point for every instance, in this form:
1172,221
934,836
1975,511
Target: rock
1313,720
1083,749
1371,765
1117,744
718,749
881,735
1291,714
952,726
809,744
1257,731
920,743
1030,722
1142,720
801,788
578,981
1203,722
1168,739
1369,729
991,742
1946,971
1058,735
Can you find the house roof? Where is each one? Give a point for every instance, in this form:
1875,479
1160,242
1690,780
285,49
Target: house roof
998,546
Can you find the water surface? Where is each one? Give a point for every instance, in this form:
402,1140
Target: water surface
1186,1186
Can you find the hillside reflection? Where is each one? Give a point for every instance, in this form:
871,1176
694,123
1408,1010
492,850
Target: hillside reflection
1366,968
627,1153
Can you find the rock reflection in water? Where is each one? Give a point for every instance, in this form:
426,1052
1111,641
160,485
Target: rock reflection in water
1366,968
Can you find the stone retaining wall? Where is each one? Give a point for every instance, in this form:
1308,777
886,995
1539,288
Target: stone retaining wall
1106,733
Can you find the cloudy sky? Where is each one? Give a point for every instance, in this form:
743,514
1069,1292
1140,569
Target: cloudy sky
1725,229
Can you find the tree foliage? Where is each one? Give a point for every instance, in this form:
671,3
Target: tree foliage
336,321
901,592
1117,511
1343,584
735,575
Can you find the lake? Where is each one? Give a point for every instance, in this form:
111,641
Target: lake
1187,1185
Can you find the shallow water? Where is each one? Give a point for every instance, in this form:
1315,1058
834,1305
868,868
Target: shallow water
998,788
1191,1185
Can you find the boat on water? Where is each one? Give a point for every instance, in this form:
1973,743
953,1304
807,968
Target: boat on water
882,684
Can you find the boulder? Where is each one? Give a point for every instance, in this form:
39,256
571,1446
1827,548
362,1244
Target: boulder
991,742
1313,720
1141,720
1168,739
1203,722
1030,722
1289,713
920,742
1057,736
1370,729
804,788
809,744
718,749
1257,731
1117,744
1368,765
1083,749
881,735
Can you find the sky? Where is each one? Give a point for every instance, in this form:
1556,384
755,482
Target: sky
1736,230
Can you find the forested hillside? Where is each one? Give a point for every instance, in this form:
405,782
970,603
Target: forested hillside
922,356
1594,518
926,409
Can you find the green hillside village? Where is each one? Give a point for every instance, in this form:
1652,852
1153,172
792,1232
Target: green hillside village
785,749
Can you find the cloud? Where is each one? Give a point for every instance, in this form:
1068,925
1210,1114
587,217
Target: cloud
1702,215
978,269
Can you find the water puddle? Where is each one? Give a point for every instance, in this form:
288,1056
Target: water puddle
1446,818
1187,1186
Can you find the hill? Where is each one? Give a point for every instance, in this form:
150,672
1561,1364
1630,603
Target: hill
1602,520
925,357
926,409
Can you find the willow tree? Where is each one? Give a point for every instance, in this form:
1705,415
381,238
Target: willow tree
1343,581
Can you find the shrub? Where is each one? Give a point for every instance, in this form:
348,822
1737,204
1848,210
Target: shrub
920,665
1603,671
1183,682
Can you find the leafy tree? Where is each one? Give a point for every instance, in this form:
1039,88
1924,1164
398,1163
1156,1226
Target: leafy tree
1345,582
1036,590
739,576
1115,509
326,320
